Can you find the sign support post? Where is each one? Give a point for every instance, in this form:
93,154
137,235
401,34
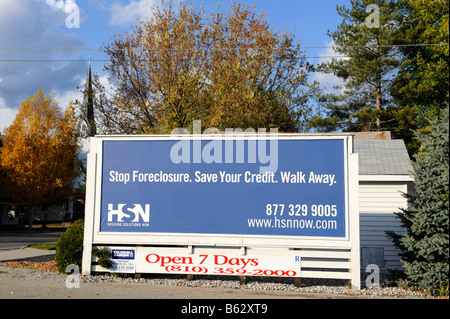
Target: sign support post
355,281
89,213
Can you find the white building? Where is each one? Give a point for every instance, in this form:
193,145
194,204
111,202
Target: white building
385,175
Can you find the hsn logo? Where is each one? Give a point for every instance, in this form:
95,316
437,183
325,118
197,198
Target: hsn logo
129,213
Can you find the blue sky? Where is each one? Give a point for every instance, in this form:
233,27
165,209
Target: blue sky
50,24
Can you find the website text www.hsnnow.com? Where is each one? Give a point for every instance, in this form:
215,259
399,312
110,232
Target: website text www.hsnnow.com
291,223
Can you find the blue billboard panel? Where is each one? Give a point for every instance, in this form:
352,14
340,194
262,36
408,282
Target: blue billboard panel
231,187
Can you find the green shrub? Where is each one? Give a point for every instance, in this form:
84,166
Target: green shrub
69,248
104,257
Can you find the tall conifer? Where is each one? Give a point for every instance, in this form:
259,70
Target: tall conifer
425,246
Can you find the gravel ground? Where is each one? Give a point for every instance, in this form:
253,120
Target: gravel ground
46,270
319,286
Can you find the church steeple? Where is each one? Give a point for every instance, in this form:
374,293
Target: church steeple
87,121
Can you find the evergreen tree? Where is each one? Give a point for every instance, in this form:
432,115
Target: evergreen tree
425,246
366,41
423,78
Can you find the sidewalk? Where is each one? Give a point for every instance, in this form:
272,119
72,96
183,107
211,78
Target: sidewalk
25,253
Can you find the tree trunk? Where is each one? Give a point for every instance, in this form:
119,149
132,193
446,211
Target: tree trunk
378,89
31,217
378,106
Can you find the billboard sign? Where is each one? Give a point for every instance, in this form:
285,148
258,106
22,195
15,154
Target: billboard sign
280,187
235,204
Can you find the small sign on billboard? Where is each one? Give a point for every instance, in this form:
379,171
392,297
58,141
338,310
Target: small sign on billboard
123,260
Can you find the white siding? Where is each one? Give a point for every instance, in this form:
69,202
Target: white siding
378,201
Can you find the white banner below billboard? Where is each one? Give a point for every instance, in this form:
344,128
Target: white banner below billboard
150,261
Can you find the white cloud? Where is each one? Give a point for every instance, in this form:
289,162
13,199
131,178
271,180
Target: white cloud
67,6
36,24
7,115
124,15
64,98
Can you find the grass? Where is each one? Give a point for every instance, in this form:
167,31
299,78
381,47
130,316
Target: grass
36,228
45,246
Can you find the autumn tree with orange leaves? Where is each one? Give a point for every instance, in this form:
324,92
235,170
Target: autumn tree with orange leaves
227,68
39,153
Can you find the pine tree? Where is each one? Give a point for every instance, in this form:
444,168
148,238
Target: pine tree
423,77
368,67
367,40
425,246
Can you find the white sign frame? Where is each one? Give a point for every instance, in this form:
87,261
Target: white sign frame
93,236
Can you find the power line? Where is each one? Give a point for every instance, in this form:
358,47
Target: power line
227,48
52,60
150,60
190,49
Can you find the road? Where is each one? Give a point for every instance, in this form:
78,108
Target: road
10,241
